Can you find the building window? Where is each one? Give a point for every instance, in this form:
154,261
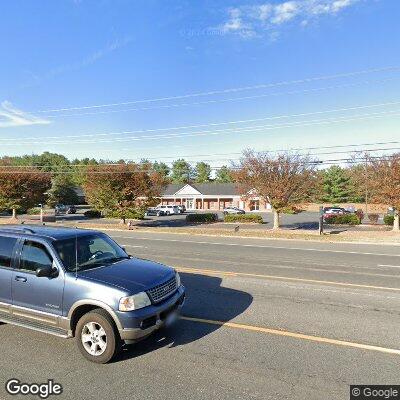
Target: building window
254,205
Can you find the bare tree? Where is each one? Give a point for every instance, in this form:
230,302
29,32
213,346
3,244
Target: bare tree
385,183
283,180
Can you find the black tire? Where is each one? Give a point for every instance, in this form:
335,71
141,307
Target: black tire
167,213
102,319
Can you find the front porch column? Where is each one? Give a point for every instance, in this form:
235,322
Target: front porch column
219,206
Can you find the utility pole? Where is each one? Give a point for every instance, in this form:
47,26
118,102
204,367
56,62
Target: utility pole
366,183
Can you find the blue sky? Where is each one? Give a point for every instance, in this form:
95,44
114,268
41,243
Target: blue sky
275,65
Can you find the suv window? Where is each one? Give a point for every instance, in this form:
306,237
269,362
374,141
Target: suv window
33,256
6,247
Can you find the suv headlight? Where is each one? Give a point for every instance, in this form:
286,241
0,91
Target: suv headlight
134,302
178,280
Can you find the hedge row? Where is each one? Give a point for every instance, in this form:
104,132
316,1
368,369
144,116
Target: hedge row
253,218
388,220
129,214
92,214
208,217
343,219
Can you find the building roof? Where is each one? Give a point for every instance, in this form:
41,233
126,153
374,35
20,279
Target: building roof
210,189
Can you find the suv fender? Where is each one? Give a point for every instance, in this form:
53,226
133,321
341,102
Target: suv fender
89,302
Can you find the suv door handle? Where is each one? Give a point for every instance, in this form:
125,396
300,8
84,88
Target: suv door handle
20,279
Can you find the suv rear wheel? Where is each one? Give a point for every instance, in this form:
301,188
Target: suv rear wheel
97,337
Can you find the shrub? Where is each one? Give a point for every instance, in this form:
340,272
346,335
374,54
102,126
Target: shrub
388,220
253,218
33,211
373,218
128,214
208,217
291,210
343,219
92,214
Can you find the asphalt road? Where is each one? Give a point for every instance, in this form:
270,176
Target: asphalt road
303,321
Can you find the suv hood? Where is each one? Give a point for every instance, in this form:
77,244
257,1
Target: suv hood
134,275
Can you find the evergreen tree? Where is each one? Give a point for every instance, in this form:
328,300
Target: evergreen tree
182,171
337,185
161,168
62,191
203,172
223,175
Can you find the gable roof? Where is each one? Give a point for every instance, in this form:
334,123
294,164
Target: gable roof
210,189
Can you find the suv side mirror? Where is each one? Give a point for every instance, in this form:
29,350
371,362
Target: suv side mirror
45,271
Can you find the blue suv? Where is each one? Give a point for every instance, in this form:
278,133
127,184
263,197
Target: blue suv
80,283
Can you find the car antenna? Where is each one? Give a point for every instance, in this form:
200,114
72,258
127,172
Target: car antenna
76,253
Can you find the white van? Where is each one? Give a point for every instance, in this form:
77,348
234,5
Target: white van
169,209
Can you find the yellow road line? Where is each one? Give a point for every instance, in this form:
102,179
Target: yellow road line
285,278
294,335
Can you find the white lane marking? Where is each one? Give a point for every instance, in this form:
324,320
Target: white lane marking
388,266
131,245
259,246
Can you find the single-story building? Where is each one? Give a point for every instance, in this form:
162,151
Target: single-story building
211,196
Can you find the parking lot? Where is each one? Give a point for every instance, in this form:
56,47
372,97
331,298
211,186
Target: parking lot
263,320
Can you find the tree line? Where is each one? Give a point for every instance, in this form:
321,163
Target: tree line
123,189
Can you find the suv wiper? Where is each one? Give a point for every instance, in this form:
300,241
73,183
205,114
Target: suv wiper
116,259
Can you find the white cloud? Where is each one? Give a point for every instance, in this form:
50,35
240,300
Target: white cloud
12,117
253,20
285,12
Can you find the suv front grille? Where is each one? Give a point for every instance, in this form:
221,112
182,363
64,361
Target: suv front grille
162,291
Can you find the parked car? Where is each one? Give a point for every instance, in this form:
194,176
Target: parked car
169,209
233,210
60,209
181,208
154,212
328,211
71,209
79,283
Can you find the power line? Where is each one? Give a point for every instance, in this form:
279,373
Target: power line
206,125
237,89
237,131
167,106
139,168
277,150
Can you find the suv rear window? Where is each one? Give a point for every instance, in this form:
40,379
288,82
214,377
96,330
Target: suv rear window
6,247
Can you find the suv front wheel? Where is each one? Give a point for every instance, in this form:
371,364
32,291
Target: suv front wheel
97,337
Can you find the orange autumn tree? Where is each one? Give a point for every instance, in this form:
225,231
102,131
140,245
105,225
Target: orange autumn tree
384,180
22,188
122,189
284,180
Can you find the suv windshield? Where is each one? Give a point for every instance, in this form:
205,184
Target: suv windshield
86,252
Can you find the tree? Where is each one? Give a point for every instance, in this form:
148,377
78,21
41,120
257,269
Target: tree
122,189
22,188
161,168
284,180
62,191
384,176
202,172
182,171
224,175
337,185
